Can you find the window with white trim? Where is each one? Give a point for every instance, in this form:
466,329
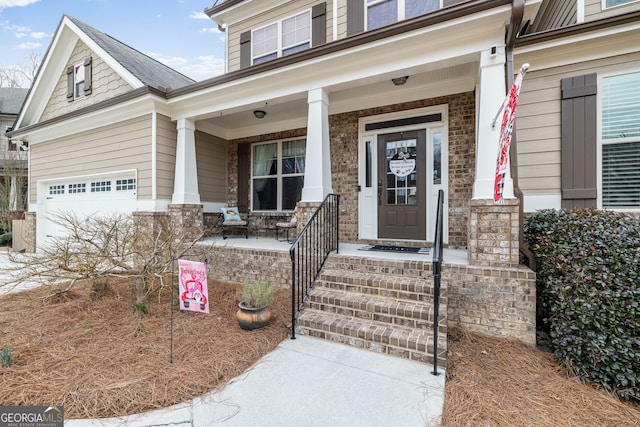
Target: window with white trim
125,184
100,186
56,189
277,175
78,80
77,188
620,137
614,3
281,38
384,12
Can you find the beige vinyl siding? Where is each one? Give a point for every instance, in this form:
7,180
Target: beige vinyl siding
121,146
166,140
278,13
105,84
342,19
593,9
539,119
211,157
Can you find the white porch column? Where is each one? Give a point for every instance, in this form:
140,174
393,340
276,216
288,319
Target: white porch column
317,169
491,93
185,183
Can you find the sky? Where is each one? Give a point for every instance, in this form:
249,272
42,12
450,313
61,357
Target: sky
174,32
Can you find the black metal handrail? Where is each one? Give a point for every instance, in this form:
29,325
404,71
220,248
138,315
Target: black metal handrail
309,252
437,270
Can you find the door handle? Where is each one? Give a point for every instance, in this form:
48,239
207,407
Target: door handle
379,192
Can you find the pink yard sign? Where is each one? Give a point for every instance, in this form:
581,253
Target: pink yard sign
194,295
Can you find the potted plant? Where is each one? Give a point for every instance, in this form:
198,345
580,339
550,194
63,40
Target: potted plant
254,301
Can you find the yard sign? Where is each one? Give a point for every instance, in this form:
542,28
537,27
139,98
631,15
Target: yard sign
192,284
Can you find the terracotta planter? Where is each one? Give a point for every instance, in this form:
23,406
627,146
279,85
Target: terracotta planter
252,318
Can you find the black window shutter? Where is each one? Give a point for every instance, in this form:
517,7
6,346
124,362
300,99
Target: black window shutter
244,163
319,24
355,17
70,83
245,49
579,141
87,75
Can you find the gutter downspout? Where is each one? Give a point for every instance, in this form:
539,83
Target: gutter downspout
517,13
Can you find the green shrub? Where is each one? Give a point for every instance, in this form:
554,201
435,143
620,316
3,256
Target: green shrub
5,239
588,282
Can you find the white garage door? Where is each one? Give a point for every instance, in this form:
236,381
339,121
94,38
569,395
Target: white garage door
84,197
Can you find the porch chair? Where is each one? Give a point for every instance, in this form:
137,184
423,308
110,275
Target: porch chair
232,219
286,225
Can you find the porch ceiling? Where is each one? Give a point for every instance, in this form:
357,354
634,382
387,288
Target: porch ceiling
291,112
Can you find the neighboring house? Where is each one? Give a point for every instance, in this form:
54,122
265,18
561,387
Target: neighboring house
382,102
13,154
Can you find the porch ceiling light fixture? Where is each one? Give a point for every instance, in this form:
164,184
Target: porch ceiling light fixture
399,81
259,114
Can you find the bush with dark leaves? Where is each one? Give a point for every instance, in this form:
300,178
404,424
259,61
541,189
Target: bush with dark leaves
588,282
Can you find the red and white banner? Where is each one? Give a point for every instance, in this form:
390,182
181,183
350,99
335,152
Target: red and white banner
506,130
192,283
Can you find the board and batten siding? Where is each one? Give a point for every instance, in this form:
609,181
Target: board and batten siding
281,12
211,161
117,147
538,122
593,10
105,84
166,140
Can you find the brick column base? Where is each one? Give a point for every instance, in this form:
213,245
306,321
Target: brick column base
187,221
30,231
494,233
304,212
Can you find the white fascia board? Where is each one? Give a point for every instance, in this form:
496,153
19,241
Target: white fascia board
623,40
52,67
248,8
414,50
104,117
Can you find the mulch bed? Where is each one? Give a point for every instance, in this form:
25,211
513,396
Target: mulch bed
88,351
494,382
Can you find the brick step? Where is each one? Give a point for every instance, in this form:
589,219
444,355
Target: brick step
404,268
395,340
417,315
384,285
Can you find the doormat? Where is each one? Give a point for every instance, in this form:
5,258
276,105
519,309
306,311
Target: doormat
397,249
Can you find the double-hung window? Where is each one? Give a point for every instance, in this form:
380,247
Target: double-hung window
620,138
277,175
282,38
384,12
78,80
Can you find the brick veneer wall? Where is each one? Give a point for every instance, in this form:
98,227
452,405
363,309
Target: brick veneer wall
343,130
30,232
494,301
232,264
343,133
494,238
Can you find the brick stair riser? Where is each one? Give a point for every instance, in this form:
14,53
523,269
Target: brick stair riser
388,343
392,312
415,269
398,290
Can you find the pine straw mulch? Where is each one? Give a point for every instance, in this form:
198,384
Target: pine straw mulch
494,382
86,350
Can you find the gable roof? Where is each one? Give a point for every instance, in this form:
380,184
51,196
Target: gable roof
11,100
149,71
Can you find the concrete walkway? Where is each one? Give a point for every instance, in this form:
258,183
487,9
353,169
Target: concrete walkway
310,382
